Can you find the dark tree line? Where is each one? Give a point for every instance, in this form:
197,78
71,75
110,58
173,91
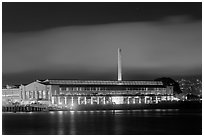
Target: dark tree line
170,82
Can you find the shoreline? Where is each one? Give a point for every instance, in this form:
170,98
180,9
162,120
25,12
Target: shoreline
183,105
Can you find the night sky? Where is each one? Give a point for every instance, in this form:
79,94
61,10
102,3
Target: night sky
80,40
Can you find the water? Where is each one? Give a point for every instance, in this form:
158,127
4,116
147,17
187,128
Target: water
111,122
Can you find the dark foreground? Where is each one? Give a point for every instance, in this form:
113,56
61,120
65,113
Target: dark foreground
104,122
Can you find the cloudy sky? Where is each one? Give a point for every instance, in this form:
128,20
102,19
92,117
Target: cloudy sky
80,40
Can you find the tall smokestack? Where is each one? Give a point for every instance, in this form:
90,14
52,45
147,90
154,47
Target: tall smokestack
119,65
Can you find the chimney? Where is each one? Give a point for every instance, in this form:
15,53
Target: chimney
119,65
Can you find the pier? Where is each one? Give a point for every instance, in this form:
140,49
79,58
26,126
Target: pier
27,108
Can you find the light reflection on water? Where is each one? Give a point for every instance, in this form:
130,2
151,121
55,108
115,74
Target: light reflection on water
60,123
108,122
72,124
52,112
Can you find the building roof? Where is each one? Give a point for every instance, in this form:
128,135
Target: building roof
99,82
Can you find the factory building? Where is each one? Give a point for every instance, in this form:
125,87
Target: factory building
68,93
84,92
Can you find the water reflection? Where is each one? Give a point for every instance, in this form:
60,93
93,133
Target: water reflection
117,122
52,112
60,123
72,123
102,122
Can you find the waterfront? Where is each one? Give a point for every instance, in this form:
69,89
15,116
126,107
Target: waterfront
104,122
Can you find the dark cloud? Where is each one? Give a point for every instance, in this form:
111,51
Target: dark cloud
35,16
90,52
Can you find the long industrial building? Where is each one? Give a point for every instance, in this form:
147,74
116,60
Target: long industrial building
68,93
78,92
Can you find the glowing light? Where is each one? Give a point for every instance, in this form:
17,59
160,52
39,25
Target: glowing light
72,104
176,99
72,112
117,100
60,112
51,112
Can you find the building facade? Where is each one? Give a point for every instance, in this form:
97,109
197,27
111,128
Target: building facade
35,92
68,93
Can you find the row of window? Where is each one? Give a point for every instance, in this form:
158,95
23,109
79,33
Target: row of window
113,93
108,88
36,94
10,91
105,100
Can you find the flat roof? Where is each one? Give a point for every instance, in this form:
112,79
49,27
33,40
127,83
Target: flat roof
99,82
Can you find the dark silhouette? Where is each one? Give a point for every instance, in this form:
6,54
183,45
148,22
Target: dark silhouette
192,97
170,82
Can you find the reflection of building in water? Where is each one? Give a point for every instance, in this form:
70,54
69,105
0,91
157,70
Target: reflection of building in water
89,92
